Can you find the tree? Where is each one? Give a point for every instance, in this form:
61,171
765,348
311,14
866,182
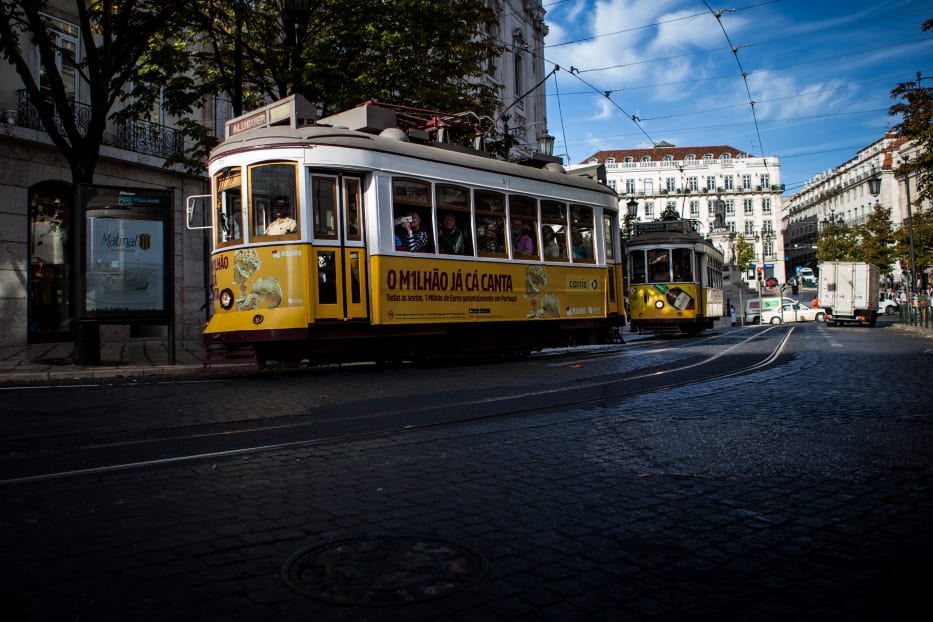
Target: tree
838,242
340,53
744,254
922,225
876,240
916,110
115,39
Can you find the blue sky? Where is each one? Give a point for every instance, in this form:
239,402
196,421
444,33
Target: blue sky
820,74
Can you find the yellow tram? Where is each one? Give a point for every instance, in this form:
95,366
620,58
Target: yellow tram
350,239
674,278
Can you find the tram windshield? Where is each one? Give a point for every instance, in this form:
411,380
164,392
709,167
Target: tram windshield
272,199
662,265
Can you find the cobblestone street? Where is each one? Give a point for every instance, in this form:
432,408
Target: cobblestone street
768,496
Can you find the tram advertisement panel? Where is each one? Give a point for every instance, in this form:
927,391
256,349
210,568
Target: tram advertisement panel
675,301
262,278
445,291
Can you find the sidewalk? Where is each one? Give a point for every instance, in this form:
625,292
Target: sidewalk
134,358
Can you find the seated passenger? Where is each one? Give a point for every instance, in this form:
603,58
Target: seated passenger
412,236
450,238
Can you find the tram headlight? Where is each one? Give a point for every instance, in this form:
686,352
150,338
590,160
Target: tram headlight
658,304
226,298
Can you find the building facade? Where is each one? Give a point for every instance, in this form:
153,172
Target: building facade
38,259
728,192
847,195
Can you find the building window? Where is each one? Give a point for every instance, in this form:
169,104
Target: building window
649,209
649,185
670,183
730,207
65,38
748,207
694,207
765,181
727,182
693,184
749,227
630,186
646,158
766,206
519,77
746,182
710,183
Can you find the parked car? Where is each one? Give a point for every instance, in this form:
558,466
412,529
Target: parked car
752,312
793,312
887,307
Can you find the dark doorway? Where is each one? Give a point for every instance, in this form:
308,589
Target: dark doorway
51,262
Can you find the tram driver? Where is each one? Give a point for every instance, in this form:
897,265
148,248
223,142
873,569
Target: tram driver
283,223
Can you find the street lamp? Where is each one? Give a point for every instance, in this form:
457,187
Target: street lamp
631,216
546,144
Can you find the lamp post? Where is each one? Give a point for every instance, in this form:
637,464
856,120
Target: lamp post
630,217
910,235
765,236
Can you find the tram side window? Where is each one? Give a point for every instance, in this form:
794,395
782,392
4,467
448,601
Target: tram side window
683,264
454,233
638,267
411,210
609,228
351,189
229,225
324,206
581,233
659,265
523,224
272,200
554,230
490,223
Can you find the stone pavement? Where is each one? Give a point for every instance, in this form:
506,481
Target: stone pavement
732,500
135,358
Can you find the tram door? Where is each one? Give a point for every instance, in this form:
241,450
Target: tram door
338,263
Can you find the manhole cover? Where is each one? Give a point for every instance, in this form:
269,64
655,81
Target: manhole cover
382,571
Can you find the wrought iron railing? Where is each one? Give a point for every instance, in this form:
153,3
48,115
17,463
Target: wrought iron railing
135,135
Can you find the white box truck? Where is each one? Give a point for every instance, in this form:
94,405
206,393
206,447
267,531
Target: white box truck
849,292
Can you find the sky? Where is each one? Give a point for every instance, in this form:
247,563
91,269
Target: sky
633,73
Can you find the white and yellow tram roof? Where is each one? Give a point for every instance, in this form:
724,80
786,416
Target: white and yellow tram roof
327,145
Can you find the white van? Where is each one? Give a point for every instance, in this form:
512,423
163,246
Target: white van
806,277
753,312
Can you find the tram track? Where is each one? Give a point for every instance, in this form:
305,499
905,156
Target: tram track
98,458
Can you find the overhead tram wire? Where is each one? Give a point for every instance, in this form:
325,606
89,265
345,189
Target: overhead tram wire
574,72
560,113
653,25
735,53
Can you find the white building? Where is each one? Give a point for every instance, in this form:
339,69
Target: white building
37,211
692,181
848,194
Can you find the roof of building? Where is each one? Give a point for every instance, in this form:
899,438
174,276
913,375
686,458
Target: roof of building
657,154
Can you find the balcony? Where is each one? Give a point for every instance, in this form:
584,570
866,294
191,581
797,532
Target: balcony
137,135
